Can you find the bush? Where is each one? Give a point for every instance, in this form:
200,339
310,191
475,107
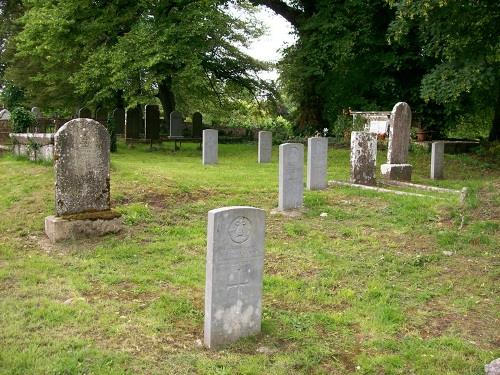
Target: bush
12,96
21,119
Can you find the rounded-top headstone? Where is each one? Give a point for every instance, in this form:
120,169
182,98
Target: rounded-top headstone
81,153
399,134
36,112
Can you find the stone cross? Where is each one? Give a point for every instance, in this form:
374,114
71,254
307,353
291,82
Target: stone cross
234,273
437,160
363,157
152,122
197,125
317,159
176,124
84,112
210,146
265,146
133,123
291,176
397,167
82,167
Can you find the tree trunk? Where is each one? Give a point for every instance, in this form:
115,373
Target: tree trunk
167,99
495,126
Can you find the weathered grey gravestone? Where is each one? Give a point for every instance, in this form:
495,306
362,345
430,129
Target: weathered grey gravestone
210,146
37,112
397,167
152,122
197,125
84,112
291,176
81,154
317,157
133,123
437,160
176,124
363,157
118,116
265,146
234,271
493,368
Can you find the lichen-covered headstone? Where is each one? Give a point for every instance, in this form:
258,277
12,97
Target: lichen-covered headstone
133,123
317,158
265,147
363,157
291,176
84,112
234,272
152,122
82,167
176,124
210,146
197,125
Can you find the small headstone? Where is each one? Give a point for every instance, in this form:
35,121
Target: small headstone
317,158
197,125
82,167
84,112
118,116
437,160
37,112
210,146
133,123
4,114
176,124
397,167
363,157
291,176
152,122
234,273
265,146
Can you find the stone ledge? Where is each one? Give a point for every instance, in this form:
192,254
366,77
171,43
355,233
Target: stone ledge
60,229
41,139
398,172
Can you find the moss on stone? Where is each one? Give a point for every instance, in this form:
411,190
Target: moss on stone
94,215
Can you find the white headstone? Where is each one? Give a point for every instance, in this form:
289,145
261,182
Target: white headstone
317,159
4,114
291,176
210,146
363,157
234,272
265,146
437,160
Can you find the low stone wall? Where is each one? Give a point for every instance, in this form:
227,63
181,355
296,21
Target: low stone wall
35,146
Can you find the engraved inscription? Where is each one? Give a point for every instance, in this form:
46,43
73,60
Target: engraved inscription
239,230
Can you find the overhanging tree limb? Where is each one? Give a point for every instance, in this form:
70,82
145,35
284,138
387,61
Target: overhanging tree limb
289,13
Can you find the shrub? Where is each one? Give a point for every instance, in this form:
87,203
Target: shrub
21,119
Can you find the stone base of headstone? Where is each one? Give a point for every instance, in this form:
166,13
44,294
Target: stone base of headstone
398,172
90,225
288,213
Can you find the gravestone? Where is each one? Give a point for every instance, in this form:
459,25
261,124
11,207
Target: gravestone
210,146
234,272
101,115
82,191
197,125
176,124
133,123
118,116
152,122
84,112
37,112
317,158
265,147
4,114
363,157
437,160
397,167
291,176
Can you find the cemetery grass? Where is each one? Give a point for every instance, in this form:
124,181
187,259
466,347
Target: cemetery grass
382,285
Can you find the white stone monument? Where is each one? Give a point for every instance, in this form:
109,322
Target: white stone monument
363,157
317,163
291,176
210,146
437,161
265,146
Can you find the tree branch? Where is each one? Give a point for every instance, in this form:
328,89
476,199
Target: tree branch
289,13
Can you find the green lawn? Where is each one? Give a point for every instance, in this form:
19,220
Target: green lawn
365,290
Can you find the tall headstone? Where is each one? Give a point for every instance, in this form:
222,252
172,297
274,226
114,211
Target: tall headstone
234,273
291,176
197,125
133,123
317,163
437,161
176,124
36,112
152,122
84,112
82,190
363,157
118,116
397,167
210,146
265,146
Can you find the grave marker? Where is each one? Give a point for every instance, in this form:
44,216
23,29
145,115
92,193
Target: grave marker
437,160
37,112
152,122
176,124
363,157
291,176
210,146
265,146
197,125
133,123
118,116
317,159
